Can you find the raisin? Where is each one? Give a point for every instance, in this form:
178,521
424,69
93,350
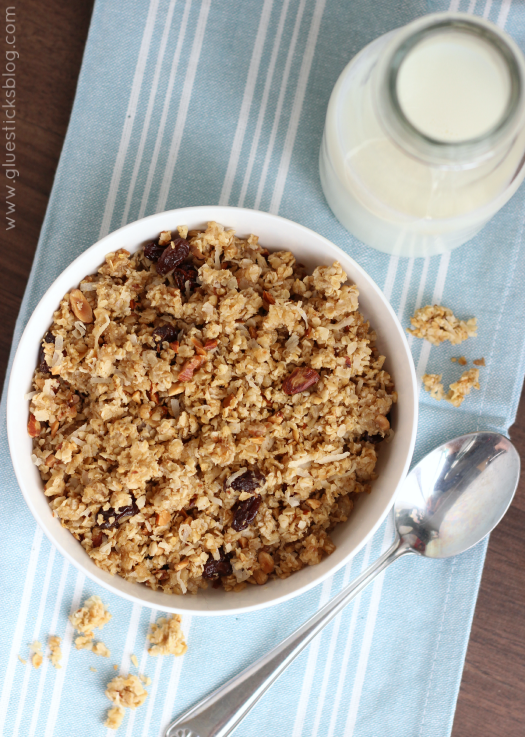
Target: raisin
246,512
164,333
153,251
374,439
249,481
216,568
183,274
42,363
172,256
119,517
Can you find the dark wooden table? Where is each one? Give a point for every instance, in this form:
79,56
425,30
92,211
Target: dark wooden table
51,38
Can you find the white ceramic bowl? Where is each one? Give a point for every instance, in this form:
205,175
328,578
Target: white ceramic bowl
275,233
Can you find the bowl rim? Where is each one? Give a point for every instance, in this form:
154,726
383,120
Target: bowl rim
200,213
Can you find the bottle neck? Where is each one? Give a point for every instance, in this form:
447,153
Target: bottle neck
449,90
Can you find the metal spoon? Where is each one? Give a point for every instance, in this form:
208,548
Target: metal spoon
449,502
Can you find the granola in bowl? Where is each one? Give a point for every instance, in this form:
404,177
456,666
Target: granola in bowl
204,411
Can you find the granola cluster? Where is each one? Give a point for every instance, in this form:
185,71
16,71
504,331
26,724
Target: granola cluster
457,391
437,324
205,411
167,637
90,616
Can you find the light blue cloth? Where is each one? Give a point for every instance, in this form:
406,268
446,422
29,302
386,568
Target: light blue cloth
174,105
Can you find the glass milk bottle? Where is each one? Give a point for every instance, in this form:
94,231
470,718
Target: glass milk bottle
424,138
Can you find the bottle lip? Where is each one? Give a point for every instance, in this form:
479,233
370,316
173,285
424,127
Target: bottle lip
465,153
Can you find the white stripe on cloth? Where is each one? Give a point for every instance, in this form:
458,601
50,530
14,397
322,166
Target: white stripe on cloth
149,110
503,13
349,637
295,117
244,114
129,118
66,648
184,104
142,669
165,110
368,636
311,665
421,369
20,626
330,656
406,287
129,646
390,277
280,102
36,634
153,695
173,685
264,103
43,673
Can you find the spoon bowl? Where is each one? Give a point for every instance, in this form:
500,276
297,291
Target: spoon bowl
457,494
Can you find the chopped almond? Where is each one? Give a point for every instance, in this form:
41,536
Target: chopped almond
163,517
33,427
80,306
189,367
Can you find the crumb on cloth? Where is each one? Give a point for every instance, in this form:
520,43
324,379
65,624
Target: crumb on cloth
90,616
115,716
56,650
459,389
432,383
167,637
126,691
37,657
437,324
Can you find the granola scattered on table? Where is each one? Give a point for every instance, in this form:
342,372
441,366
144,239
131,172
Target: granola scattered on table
92,615
126,691
36,657
206,412
56,650
437,324
167,637
456,391
115,716
432,383
459,389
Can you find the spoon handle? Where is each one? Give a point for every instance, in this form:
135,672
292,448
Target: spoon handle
220,712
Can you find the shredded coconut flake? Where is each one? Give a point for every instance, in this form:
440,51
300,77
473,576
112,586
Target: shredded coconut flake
29,395
292,342
303,315
332,458
87,286
59,343
342,323
300,461
80,327
184,533
235,475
